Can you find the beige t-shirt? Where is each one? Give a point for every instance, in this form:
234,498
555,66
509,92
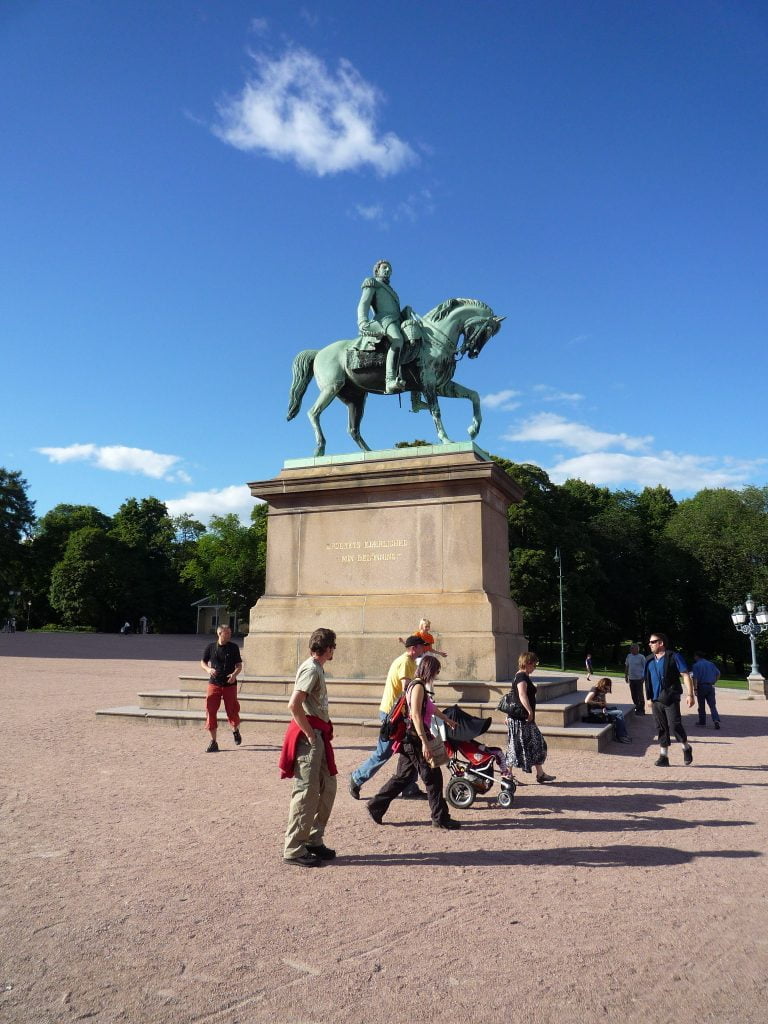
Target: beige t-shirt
310,679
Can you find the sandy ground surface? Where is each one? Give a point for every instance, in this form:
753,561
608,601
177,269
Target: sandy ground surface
142,880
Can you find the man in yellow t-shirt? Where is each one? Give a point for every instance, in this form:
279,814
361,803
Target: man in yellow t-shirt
401,671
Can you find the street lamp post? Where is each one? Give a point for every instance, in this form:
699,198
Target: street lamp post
752,623
559,560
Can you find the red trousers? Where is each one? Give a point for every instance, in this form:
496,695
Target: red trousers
231,705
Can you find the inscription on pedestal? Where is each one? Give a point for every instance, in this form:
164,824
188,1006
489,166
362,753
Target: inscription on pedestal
367,550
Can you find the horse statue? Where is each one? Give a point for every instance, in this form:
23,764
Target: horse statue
343,370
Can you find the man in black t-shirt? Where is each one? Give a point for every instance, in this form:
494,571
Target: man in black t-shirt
222,661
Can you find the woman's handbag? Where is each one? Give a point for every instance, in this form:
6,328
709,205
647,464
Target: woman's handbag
437,755
512,707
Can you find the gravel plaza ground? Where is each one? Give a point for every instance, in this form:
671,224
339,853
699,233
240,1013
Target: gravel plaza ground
142,880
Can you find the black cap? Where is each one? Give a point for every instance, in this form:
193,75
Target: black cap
412,641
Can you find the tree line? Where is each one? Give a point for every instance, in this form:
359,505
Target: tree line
77,567
635,562
631,562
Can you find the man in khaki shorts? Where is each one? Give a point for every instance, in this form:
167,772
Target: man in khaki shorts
307,757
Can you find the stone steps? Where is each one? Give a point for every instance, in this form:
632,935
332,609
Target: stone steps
354,708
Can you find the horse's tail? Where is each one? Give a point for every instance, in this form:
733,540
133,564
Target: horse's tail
302,374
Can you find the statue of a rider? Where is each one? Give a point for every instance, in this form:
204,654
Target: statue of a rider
388,322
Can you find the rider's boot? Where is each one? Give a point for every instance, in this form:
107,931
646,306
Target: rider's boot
394,383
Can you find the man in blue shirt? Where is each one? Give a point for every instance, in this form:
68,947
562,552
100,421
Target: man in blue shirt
706,674
665,674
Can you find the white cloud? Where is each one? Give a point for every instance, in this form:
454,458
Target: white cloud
501,400
259,26
375,212
415,206
119,458
550,394
203,504
296,109
672,470
549,427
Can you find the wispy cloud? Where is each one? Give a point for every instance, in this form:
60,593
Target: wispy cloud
204,504
547,393
678,472
501,400
414,206
295,108
374,212
119,458
259,26
551,428
310,17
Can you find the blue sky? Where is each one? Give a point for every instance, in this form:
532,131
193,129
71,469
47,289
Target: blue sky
193,191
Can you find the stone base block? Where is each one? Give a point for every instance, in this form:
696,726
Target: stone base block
369,546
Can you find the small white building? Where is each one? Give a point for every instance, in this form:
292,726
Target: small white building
212,613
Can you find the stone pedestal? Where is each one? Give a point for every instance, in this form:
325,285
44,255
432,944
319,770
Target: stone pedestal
756,685
370,543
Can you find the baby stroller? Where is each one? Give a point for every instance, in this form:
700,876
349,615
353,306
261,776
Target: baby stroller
471,764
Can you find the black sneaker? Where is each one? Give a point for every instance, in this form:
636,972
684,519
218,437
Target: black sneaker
306,860
703,725
237,737
717,725
447,823
688,755
212,748
413,793
322,852
662,761
354,789
375,817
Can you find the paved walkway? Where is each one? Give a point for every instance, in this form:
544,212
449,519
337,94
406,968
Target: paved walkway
142,880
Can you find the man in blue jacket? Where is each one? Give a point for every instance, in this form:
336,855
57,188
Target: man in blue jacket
665,674
706,674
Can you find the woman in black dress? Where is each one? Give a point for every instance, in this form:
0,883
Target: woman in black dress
527,747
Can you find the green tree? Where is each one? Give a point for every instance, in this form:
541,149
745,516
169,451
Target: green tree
86,584
534,534
151,583
17,516
49,542
230,560
723,534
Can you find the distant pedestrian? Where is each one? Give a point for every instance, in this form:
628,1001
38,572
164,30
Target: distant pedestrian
307,757
221,660
665,674
143,624
705,674
634,673
588,665
125,629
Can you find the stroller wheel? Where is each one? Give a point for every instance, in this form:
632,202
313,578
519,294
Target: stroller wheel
460,793
505,798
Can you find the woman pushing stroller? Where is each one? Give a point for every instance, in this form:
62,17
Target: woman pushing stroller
414,751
